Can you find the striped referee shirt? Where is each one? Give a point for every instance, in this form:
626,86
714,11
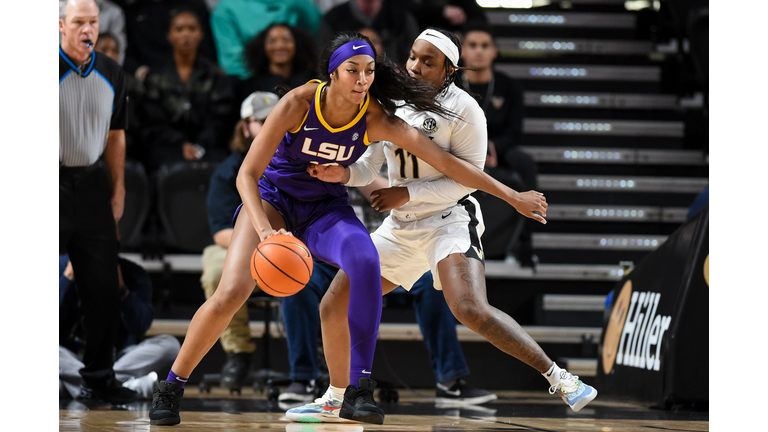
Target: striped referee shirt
92,101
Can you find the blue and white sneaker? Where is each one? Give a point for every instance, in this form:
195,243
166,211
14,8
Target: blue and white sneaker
574,392
323,410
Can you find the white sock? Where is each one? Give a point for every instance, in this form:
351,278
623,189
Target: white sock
336,392
552,374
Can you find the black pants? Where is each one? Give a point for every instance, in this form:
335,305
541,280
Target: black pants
87,232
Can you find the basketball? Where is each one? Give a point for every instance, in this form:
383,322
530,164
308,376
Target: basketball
281,265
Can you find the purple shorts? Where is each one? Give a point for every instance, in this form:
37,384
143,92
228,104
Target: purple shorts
296,214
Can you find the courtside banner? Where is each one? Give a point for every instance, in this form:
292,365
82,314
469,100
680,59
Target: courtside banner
655,340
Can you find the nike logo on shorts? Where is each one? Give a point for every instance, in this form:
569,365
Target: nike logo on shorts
449,213
366,372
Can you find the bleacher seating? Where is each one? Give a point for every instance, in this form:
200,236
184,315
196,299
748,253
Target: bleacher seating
137,204
182,190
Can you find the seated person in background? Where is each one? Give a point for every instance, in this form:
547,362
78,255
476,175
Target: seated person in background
187,103
137,360
279,55
237,22
146,22
223,199
501,99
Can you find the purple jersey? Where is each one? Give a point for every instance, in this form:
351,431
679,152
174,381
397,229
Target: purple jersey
314,141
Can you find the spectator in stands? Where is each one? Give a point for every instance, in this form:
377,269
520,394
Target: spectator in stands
138,359
390,19
236,22
187,103
223,200
281,55
112,21
109,45
148,45
501,98
450,15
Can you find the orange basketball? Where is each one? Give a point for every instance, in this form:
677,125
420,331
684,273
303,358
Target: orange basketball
281,265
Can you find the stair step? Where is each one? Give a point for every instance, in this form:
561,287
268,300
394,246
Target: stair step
623,242
579,72
625,184
528,46
573,303
583,367
496,269
597,100
615,156
611,127
550,19
616,213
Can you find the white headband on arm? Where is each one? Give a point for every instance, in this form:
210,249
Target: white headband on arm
443,43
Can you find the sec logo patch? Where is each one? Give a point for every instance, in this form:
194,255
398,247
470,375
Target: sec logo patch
429,126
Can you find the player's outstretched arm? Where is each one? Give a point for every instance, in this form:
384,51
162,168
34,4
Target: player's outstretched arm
386,128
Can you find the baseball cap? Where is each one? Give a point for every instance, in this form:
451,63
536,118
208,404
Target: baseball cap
258,104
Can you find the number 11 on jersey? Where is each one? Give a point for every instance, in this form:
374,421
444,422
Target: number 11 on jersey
404,155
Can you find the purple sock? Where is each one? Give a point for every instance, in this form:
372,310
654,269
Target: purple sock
172,377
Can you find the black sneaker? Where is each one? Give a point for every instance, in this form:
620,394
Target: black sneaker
463,393
165,403
234,373
298,391
113,393
359,405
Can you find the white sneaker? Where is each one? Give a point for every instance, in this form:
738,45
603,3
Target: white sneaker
574,392
142,385
323,410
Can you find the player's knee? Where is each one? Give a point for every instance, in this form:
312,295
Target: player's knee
470,312
363,259
228,299
331,308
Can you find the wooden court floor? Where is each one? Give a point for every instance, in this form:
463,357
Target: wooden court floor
415,411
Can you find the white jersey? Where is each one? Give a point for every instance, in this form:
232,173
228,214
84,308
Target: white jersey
466,137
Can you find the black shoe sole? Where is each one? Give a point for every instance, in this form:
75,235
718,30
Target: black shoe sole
169,421
363,416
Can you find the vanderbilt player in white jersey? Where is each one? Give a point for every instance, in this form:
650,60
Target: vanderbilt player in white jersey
435,225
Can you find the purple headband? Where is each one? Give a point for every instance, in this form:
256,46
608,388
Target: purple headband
349,49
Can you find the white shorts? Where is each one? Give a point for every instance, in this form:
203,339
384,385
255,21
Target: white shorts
407,250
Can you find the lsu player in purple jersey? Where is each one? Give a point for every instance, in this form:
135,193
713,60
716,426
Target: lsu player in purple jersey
434,225
320,123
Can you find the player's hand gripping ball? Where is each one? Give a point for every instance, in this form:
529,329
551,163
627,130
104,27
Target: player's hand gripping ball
281,265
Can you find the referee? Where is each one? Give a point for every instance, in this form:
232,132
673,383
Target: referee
92,121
